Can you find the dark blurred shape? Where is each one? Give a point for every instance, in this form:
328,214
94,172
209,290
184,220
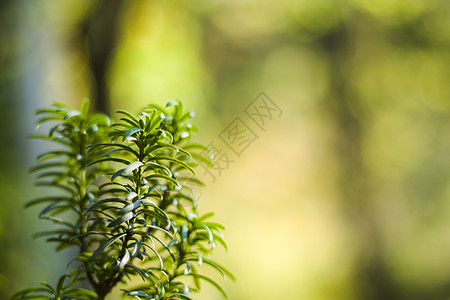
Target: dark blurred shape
373,280
375,277
101,30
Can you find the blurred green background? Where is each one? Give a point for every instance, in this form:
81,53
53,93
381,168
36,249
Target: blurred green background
345,195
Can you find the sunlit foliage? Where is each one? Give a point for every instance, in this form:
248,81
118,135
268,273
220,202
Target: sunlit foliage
125,203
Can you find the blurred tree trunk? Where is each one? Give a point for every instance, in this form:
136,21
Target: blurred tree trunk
374,281
101,33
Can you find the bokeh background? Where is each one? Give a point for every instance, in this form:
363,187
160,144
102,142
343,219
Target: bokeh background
345,195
